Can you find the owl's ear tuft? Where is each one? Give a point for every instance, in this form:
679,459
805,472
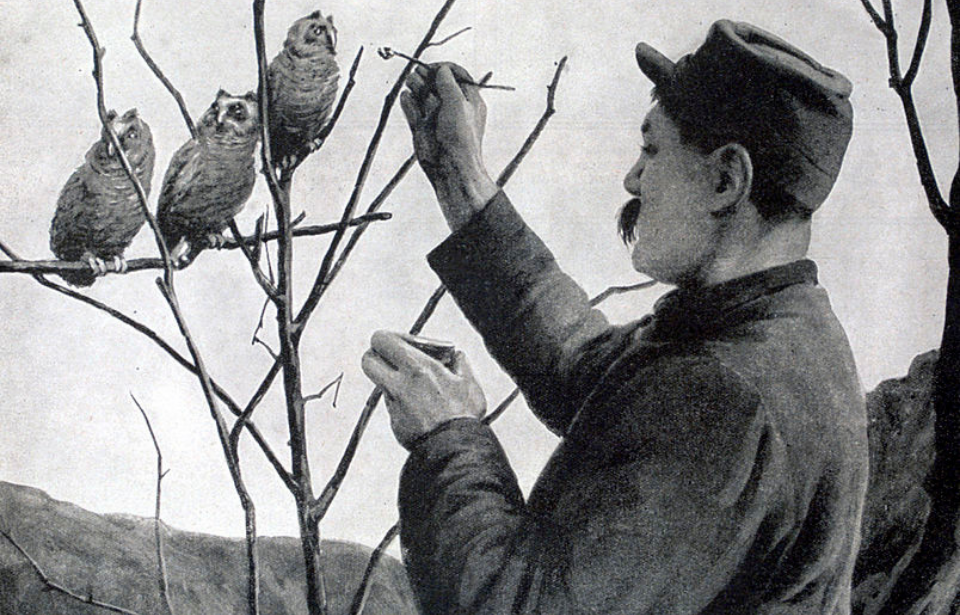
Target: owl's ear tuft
222,92
130,114
330,19
111,115
251,96
315,15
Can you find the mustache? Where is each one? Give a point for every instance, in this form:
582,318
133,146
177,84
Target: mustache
627,220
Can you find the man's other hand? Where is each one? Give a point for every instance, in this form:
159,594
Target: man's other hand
421,392
447,118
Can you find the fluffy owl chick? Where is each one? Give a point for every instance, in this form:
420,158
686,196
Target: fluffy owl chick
303,85
210,177
98,212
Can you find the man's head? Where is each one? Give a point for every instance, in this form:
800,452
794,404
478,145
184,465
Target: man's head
759,129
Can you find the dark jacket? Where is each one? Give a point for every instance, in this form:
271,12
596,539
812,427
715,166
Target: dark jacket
713,460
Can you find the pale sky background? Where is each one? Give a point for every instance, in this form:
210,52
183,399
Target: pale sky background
67,424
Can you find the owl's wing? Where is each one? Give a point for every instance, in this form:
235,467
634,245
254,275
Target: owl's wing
67,233
181,174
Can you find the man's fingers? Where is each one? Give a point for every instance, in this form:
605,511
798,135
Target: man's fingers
460,73
418,85
392,348
379,371
410,110
446,84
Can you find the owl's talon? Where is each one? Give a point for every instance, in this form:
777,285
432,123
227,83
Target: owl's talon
97,266
216,241
119,264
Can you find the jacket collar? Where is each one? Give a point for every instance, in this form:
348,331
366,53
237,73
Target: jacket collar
682,312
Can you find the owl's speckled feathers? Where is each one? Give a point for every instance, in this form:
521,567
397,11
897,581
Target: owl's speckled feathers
303,84
210,177
98,211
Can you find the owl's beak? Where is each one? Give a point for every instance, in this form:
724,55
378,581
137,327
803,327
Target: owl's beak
111,150
221,117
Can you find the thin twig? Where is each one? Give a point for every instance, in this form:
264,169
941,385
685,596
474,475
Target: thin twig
50,585
447,39
388,52
135,37
874,15
229,451
541,124
268,288
921,43
371,210
270,351
360,597
322,503
311,148
941,211
335,383
163,586
143,264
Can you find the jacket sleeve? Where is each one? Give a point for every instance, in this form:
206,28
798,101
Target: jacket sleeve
653,511
535,320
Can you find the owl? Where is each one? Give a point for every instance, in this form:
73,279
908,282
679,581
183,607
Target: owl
98,211
303,85
210,177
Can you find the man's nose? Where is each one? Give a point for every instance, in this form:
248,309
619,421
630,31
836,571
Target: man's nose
632,180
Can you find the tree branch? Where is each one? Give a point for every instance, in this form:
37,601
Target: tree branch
941,211
268,288
135,37
311,148
921,43
874,15
541,124
45,580
162,584
143,264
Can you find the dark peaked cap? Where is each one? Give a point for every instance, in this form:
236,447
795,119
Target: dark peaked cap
749,86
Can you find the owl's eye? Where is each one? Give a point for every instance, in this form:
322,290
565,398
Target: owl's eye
130,134
237,112
318,30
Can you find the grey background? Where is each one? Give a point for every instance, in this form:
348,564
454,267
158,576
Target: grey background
67,424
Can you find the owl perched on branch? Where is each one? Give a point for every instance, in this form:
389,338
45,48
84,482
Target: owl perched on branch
98,212
303,86
210,177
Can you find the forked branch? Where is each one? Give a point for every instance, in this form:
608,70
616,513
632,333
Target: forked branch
135,37
163,585
60,589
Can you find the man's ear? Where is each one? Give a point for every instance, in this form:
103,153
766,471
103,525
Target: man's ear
732,177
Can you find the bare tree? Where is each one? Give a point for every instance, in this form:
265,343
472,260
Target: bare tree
927,580
292,318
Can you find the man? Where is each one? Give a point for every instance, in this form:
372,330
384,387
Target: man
714,455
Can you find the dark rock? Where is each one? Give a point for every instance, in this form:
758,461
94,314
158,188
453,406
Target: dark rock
901,421
112,558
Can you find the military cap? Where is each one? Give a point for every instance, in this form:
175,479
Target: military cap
753,87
